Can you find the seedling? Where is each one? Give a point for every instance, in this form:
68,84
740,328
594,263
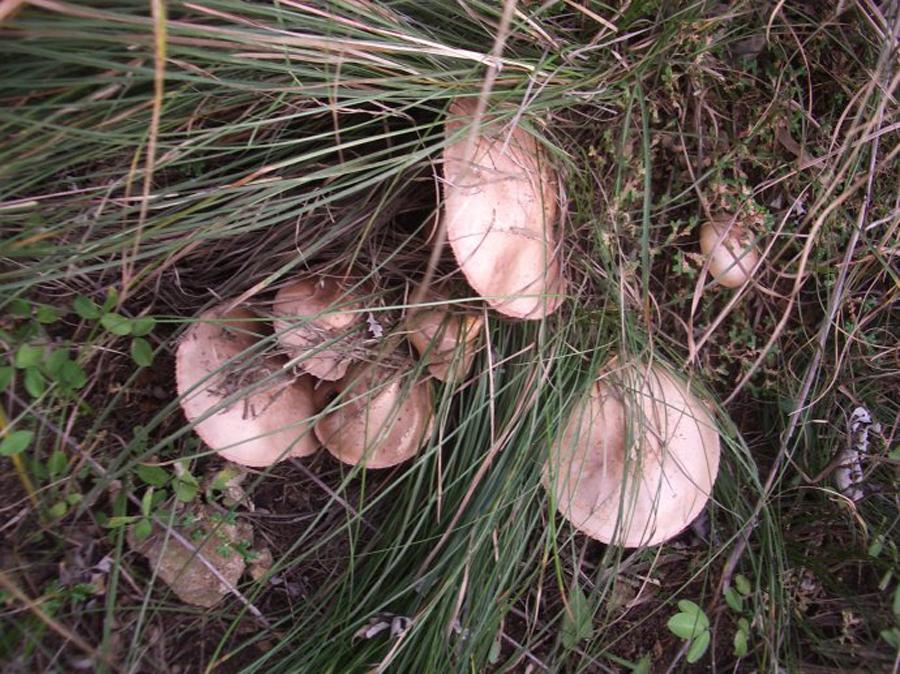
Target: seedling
692,625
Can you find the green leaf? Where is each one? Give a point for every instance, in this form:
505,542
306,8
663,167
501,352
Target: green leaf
692,609
185,491
743,625
743,585
734,600
147,502
143,529
57,463
74,498
874,549
685,625
142,325
19,307
896,606
34,382
58,510
29,356
892,636
112,298
153,475
86,308
6,375
494,653
159,497
53,365
119,521
643,666
72,375
46,314
698,647
141,352
578,620
740,644
116,324
15,442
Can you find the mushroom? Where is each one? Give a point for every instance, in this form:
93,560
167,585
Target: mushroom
322,340
500,207
637,459
732,255
379,420
445,340
269,420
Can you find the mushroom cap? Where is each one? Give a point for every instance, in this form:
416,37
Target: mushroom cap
501,209
270,422
652,491
731,260
446,340
381,420
320,340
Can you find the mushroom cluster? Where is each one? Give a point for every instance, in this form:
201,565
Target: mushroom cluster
634,464
500,208
256,409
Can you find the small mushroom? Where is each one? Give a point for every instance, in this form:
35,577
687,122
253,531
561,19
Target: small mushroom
637,460
447,341
500,205
270,421
732,255
380,420
323,339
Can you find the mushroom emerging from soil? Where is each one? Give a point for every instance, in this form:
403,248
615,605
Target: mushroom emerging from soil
380,419
500,206
732,255
637,460
446,340
324,339
268,423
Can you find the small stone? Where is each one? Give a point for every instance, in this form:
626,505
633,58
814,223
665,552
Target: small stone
219,541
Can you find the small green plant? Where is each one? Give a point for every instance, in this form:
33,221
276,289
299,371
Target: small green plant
119,325
692,625
182,482
578,619
735,597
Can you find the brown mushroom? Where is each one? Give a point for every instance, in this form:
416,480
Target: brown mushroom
249,410
500,206
316,320
637,459
379,419
732,255
447,341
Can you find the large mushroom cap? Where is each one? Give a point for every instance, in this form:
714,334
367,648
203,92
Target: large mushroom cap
270,421
637,459
500,206
380,420
315,320
732,255
446,340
